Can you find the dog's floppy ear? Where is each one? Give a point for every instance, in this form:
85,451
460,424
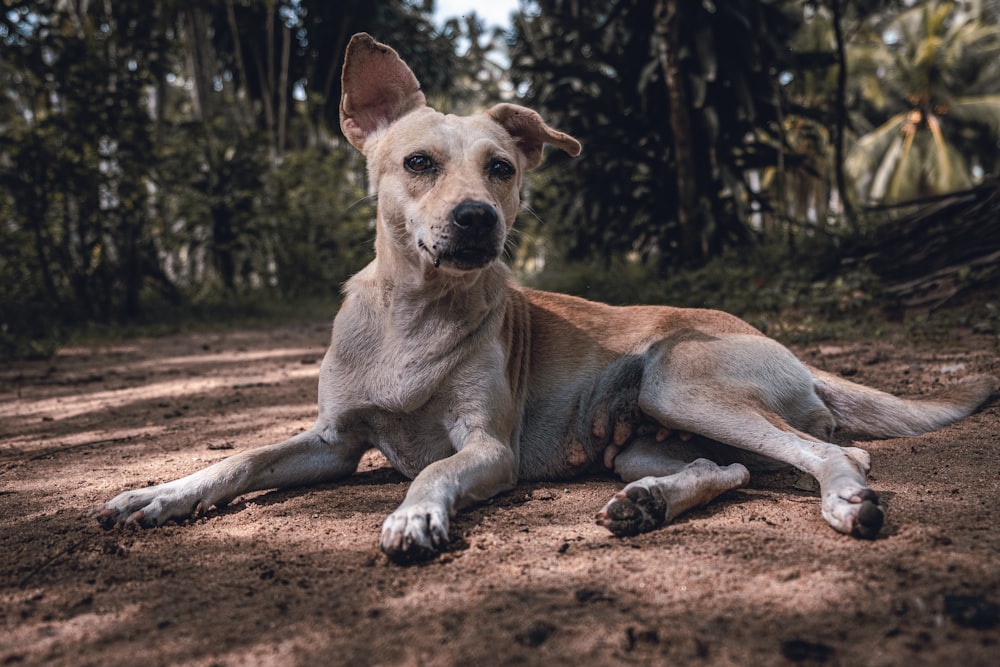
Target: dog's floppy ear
531,133
378,88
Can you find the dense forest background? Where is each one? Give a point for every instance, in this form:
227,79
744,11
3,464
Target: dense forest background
164,156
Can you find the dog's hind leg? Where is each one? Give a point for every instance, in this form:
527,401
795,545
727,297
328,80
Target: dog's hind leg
307,458
743,392
672,485
846,502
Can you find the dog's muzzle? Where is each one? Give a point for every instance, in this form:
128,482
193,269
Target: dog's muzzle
472,240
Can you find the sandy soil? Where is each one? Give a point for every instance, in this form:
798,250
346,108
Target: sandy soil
295,577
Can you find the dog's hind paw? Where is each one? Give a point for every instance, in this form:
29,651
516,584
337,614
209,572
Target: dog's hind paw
857,513
632,511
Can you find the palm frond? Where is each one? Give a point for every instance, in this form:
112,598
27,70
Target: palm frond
982,110
949,172
885,173
878,139
869,161
905,171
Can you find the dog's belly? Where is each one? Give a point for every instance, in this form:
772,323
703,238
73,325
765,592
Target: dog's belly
566,429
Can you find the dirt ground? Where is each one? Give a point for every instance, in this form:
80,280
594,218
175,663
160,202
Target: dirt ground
295,577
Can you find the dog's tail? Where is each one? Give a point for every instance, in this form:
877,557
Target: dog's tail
877,414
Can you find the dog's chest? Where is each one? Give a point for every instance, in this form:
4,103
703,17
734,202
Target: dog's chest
410,443
398,408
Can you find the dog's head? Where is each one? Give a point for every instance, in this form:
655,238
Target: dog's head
448,186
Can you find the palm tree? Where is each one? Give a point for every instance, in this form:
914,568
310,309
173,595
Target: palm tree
936,70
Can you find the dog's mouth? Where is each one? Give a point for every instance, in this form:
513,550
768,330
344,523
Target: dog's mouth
467,258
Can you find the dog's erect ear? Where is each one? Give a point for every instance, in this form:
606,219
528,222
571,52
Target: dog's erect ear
378,88
531,133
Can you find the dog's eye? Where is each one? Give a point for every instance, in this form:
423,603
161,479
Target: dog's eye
501,169
419,163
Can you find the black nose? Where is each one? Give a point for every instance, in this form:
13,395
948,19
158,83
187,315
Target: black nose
475,216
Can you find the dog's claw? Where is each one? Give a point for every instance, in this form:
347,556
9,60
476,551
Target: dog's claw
870,520
105,517
410,554
413,535
154,505
870,516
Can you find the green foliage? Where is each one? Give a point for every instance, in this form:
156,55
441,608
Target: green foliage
267,48
168,157
155,156
325,234
797,295
664,163
930,80
29,322
73,162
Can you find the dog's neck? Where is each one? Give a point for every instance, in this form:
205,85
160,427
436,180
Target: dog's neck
421,294
422,328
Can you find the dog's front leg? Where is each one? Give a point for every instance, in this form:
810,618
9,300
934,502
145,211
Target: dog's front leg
418,529
307,458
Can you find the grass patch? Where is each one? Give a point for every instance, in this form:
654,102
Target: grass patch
796,301
207,315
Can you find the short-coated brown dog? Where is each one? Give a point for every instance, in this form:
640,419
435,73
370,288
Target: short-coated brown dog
467,382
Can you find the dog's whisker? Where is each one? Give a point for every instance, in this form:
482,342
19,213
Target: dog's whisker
370,199
531,211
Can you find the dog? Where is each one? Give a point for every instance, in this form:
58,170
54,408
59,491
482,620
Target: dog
468,382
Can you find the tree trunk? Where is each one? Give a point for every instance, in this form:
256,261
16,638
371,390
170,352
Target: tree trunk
840,107
223,240
286,45
265,71
199,61
329,111
667,15
246,108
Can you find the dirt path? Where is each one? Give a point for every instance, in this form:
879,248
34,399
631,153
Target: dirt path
295,577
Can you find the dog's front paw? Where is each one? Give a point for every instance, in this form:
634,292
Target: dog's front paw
152,506
413,534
